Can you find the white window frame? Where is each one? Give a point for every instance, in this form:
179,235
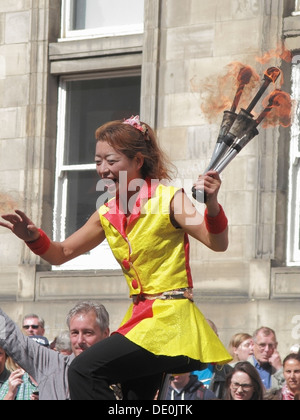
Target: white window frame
293,249
68,34
101,257
297,8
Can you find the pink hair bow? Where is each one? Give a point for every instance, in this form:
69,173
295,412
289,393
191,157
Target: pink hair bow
136,123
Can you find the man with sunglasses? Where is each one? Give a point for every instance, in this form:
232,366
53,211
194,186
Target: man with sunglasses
32,324
88,323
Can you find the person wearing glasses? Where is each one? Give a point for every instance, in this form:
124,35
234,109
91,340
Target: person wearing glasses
244,383
88,323
32,324
266,358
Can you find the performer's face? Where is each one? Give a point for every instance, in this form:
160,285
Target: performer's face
116,167
85,331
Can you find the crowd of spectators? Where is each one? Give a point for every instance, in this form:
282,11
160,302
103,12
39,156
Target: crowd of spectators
32,368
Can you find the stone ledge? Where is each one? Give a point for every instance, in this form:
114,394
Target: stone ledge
97,64
291,25
291,32
95,47
84,285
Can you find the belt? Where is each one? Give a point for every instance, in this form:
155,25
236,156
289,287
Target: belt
183,293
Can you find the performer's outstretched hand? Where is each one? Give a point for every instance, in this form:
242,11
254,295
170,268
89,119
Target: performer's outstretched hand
20,225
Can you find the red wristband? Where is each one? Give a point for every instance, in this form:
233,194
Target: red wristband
216,224
40,245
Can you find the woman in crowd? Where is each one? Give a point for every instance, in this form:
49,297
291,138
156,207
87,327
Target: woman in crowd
244,383
240,347
291,373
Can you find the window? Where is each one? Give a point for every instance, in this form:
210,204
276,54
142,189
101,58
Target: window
294,174
94,18
297,7
85,104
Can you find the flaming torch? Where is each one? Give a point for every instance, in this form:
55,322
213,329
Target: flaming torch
271,75
275,99
243,79
234,136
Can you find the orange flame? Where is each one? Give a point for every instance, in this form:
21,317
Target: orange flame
243,79
279,52
272,73
280,105
245,75
218,95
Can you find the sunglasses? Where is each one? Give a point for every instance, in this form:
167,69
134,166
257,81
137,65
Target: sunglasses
34,327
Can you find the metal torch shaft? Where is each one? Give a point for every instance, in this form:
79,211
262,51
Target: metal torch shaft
237,147
258,95
271,75
227,121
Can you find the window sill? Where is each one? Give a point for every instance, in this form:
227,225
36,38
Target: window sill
90,284
95,47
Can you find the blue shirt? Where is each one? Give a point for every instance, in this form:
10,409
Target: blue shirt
205,375
264,373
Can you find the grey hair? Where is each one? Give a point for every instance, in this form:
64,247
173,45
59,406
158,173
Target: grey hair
63,341
266,331
41,320
102,316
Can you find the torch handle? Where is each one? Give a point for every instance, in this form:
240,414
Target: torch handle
258,95
199,195
237,147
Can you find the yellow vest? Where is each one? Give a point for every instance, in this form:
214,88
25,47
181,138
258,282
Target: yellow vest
154,257
152,253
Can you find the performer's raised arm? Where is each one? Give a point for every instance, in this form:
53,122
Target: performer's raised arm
56,253
211,229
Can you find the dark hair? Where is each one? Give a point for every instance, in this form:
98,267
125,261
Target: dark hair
246,367
129,140
291,356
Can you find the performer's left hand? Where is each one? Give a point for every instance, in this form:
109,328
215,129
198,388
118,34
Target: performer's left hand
210,183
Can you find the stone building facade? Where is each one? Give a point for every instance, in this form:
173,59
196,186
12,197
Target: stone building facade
184,46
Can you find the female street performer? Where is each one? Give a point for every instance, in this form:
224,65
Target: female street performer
146,224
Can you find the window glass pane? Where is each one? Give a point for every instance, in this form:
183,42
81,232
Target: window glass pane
91,103
88,14
81,199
